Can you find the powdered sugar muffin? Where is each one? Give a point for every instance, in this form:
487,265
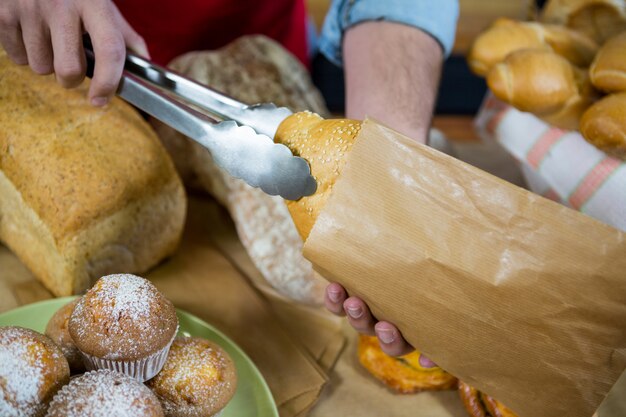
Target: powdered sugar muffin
105,393
57,331
198,379
32,370
124,323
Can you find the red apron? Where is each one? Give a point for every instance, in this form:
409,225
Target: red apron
173,27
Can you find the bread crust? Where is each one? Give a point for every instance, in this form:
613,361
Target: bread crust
506,36
598,19
604,125
608,71
325,145
86,191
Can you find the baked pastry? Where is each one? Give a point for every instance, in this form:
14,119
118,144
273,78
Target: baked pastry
32,370
253,69
543,83
198,379
57,330
608,71
301,132
105,393
506,36
405,374
124,324
85,191
598,19
479,404
604,125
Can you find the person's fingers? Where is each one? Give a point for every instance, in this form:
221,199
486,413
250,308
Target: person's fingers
36,39
426,362
391,340
11,34
359,315
133,40
334,298
69,56
109,50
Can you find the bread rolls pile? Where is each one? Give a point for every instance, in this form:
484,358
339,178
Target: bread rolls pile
568,70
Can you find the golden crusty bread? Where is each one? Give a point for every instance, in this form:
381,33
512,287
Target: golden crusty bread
85,191
598,19
324,144
604,125
506,36
608,71
545,84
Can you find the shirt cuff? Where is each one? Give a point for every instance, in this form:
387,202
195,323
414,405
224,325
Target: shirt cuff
438,19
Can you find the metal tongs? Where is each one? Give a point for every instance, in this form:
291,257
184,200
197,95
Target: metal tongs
241,143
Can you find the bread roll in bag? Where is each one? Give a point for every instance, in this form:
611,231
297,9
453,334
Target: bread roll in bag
501,287
84,191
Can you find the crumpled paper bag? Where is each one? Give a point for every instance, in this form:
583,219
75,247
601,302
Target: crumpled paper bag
517,295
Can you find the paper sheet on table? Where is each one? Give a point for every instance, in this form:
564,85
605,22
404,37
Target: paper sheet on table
515,294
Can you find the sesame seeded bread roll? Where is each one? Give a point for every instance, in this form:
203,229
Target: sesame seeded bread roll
325,145
85,191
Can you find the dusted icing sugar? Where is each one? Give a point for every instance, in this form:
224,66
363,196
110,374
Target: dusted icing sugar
122,317
105,393
22,372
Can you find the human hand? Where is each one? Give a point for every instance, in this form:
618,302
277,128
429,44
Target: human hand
47,35
362,320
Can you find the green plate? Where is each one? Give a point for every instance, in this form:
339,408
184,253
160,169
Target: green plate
253,397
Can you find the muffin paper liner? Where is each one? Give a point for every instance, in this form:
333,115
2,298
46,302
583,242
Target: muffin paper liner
142,369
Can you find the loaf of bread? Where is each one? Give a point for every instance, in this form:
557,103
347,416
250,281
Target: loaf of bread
598,19
543,83
253,69
506,36
608,71
85,191
604,125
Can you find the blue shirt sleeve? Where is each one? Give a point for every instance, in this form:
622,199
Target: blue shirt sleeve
435,18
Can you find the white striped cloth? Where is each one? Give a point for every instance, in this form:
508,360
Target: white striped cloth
558,164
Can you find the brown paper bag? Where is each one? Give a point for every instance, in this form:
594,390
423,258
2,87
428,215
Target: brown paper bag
515,294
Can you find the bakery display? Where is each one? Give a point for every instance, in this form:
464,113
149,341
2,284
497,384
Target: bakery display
252,69
604,125
406,374
608,70
545,84
125,324
86,191
479,404
599,19
198,379
555,70
32,370
57,330
105,393
507,35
